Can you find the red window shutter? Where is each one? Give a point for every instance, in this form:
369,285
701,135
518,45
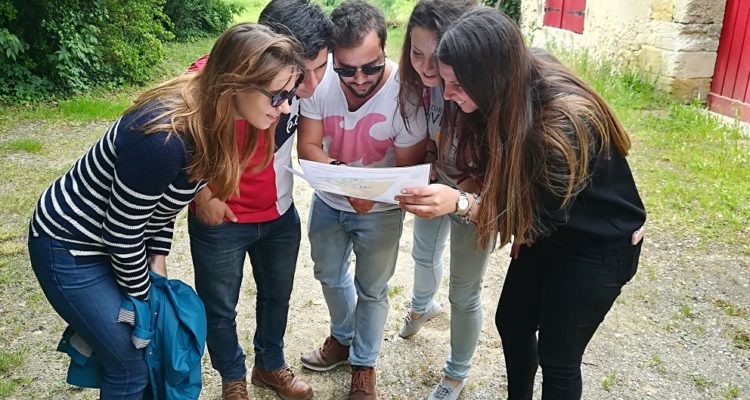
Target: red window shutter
553,13
573,14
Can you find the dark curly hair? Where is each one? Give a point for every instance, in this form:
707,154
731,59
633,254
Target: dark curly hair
302,20
353,20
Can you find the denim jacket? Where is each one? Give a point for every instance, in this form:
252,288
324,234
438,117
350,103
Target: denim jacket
170,325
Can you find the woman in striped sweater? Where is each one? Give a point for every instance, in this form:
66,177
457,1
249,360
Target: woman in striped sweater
100,228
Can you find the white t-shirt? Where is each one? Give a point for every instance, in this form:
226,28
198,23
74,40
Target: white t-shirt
366,137
446,163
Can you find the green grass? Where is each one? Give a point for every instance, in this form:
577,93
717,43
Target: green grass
9,361
87,109
701,382
733,392
655,360
685,311
25,145
609,381
702,173
730,309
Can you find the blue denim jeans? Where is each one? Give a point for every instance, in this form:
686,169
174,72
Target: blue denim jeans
218,257
84,292
358,305
467,266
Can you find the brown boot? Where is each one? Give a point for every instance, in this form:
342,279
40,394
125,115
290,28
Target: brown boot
363,383
283,382
327,357
234,390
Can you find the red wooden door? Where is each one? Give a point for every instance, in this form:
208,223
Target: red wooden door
730,90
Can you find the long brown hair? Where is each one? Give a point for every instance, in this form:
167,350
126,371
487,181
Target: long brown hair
199,106
434,16
542,126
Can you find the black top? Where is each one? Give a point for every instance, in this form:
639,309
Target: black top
604,215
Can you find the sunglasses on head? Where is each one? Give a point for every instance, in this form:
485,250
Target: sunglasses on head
348,72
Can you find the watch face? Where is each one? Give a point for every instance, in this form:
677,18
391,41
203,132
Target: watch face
463,203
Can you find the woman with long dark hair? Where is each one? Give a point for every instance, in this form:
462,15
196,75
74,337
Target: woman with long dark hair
551,154
421,86
100,228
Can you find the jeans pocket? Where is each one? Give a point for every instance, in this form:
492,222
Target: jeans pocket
71,273
195,225
627,262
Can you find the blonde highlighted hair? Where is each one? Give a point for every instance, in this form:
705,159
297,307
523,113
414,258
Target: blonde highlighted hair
198,106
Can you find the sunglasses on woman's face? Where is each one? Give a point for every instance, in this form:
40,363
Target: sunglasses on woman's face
280,97
348,72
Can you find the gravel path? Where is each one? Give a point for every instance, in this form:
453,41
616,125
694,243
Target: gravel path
679,330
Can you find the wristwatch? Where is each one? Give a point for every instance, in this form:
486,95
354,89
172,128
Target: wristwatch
462,203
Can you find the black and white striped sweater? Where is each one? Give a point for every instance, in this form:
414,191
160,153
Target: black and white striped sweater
120,200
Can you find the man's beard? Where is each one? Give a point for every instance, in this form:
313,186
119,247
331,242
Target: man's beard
369,90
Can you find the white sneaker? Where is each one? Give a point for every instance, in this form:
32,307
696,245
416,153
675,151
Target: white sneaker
445,390
412,325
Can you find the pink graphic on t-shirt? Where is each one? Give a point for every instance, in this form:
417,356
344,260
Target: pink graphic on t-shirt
350,145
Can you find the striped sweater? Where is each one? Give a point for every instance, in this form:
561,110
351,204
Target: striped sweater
120,200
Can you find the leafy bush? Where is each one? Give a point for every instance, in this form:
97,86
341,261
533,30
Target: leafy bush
69,46
199,18
131,40
16,78
510,7
329,5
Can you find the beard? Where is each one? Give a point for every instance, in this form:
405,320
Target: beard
362,94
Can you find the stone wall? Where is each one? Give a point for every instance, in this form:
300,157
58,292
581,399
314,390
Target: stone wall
674,40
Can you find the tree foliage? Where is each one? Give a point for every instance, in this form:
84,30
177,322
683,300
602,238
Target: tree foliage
510,7
198,18
63,47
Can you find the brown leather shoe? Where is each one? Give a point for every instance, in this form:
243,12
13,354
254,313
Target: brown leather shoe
327,357
363,383
283,382
234,390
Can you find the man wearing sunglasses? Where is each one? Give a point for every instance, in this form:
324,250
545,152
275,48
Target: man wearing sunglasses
353,118
261,222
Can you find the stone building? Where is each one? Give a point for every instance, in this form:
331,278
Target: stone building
677,41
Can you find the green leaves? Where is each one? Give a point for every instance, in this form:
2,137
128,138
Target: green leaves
56,48
191,19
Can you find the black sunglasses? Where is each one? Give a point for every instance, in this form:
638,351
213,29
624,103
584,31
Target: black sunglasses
348,72
280,97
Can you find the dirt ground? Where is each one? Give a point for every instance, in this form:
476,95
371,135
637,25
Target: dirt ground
678,331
